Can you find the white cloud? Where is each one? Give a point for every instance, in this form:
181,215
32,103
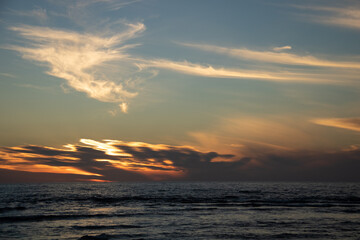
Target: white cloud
82,59
124,107
79,58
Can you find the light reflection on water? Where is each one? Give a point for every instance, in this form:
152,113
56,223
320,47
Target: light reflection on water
180,210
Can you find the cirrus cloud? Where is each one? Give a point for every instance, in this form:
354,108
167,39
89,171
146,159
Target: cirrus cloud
347,16
275,57
213,72
79,58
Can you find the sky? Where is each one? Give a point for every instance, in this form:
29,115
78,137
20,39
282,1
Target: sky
165,90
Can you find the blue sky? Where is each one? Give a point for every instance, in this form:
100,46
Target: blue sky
250,79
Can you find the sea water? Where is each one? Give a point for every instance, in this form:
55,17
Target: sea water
175,210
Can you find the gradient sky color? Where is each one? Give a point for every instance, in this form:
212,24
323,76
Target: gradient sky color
106,90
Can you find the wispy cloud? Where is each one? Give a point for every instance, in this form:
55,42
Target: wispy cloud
112,5
83,58
39,13
116,5
344,16
78,58
210,71
278,49
275,57
33,86
88,14
8,75
279,132
345,123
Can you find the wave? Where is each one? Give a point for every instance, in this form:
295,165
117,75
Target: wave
99,227
105,236
38,218
9,209
244,197
102,236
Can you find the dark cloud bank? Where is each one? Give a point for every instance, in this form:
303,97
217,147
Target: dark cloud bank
258,165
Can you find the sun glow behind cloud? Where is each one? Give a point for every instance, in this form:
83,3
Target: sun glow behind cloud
260,120
138,161
94,157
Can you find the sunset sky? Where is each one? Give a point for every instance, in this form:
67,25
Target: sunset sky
251,90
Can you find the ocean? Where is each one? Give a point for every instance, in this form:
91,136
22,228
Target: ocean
180,210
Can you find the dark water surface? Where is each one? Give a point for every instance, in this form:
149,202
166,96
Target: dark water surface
180,211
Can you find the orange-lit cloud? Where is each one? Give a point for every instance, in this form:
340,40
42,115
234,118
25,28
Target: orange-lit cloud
47,169
277,132
109,160
278,49
113,160
345,123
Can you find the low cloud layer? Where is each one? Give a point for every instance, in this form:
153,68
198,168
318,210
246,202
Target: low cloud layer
109,160
112,160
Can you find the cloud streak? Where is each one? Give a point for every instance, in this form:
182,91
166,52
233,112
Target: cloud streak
347,16
345,123
278,49
210,71
38,13
274,57
78,58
